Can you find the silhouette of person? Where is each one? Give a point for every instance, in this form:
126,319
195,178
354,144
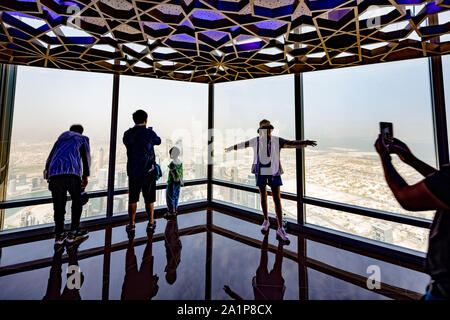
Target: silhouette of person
75,278
268,170
173,246
140,141
67,170
139,284
266,285
431,193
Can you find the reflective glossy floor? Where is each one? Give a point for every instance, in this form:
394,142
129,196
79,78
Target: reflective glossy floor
200,255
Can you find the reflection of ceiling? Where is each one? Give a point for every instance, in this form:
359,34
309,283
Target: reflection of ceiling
218,40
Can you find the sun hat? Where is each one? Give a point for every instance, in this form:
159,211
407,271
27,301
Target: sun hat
265,124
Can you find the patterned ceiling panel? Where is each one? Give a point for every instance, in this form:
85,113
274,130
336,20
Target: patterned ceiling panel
219,40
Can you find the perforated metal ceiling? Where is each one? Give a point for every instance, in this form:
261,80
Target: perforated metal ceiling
216,41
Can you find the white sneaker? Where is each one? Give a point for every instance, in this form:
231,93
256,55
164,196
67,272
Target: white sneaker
281,235
265,226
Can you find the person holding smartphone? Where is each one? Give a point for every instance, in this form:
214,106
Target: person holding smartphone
431,193
140,141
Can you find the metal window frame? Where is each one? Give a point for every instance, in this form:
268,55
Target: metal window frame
111,191
416,258
8,77
324,235
362,211
113,146
93,194
300,153
442,153
210,142
438,109
441,140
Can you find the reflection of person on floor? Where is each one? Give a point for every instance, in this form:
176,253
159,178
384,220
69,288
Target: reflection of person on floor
173,250
139,284
75,277
266,285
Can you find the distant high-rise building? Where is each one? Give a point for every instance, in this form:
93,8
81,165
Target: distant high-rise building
222,172
31,221
233,195
101,155
88,210
35,185
12,183
234,174
199,168
102,178
160,196
68,210
23,220
121,179
382,232
252,198
179,145
27,219
169,145
22,180
119,204
101,205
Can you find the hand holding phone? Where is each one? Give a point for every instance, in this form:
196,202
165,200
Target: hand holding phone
387,133
401,149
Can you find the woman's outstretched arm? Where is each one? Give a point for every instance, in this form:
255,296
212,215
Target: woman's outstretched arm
299,143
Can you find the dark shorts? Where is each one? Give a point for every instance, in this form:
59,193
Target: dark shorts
146,184
272,181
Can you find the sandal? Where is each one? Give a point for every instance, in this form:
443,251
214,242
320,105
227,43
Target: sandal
131,229
151,227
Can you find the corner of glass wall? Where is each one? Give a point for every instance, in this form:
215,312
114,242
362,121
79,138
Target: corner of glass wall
177,112
446,75
345,167
47,103
239,106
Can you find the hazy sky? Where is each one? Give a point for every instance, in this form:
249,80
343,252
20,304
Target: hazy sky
348,104
173,106
342,107
48,101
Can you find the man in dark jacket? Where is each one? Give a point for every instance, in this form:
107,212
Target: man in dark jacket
67,170
141,168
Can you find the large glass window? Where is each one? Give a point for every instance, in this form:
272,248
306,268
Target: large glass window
252,200
345,122
238,108
47,102
385,231
177,111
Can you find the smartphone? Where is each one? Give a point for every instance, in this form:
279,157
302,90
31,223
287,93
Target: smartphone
387,132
